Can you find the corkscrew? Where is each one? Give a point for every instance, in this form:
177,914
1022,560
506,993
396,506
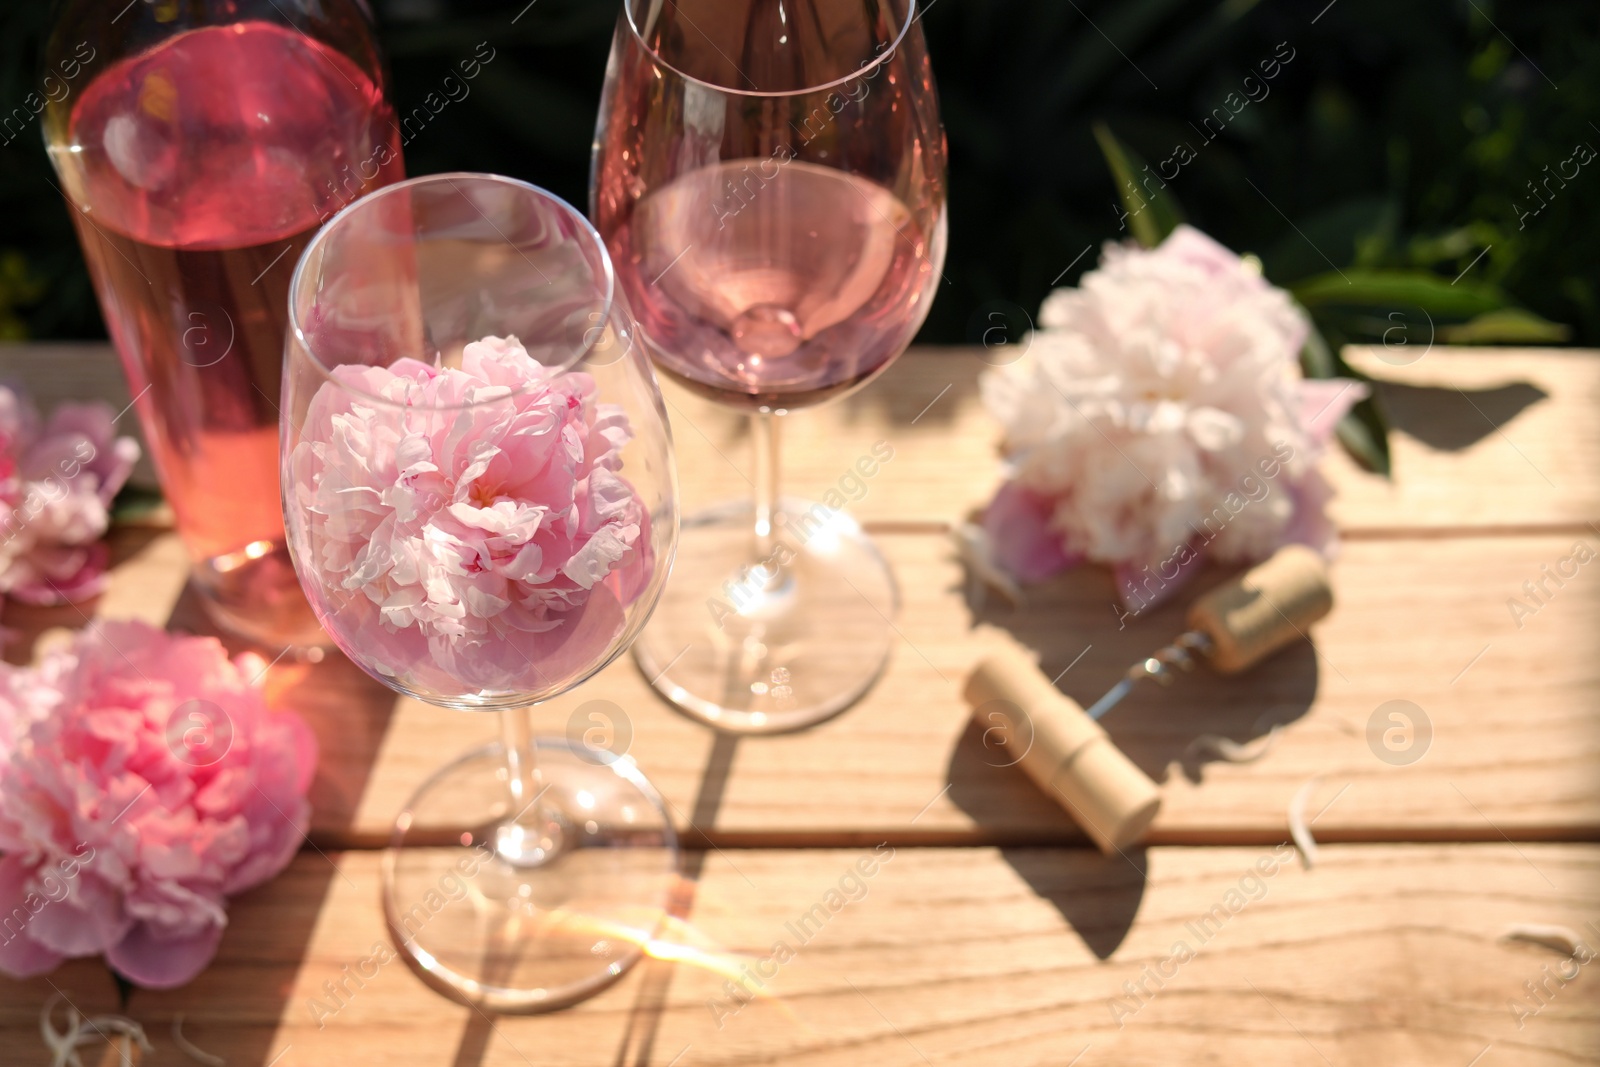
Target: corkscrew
1238,624
1064,748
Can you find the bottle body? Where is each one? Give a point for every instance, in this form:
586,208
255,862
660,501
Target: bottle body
197,164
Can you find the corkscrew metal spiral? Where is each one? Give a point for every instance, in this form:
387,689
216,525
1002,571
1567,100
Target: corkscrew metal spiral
1161,665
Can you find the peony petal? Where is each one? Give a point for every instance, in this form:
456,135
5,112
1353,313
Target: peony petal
21,955
277,832
1310,525
573,649
138,844
63,576
152,959
1193,248
1324,401
460,537
1141,586
1017,525
85,921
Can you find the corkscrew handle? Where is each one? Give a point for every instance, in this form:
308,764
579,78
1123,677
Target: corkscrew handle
1062,749
1239,624
1267,607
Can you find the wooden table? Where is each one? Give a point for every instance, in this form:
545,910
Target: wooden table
995,935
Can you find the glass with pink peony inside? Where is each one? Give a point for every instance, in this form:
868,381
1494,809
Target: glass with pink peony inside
770,179
481,503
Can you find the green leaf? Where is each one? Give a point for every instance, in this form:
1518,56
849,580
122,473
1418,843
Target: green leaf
134,503
1506,326
1460,246
125,988
1316,358
1152,213
1399,289
1364,432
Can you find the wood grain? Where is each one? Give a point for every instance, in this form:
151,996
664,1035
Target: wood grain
969,954
1381,954
1514,738
1422,619
1513,747
1483,438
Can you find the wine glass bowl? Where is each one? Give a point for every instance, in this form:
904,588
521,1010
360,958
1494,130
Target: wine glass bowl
481,506
778,222
770,181
382,319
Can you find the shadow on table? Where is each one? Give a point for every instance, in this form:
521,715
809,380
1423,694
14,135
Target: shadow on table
1452,419
1084,641
638,1045
921,388
1098,895
246,988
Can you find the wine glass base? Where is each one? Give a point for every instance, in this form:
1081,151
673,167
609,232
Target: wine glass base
524,937
778,648
254,594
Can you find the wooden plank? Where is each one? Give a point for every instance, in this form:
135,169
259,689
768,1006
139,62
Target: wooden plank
1513,745
1381,954
1509,695
1483,438
1513,741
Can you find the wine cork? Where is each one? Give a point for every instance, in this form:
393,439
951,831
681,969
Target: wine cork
1269,606
1062,749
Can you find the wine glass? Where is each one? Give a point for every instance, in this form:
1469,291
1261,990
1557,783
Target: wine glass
769,176
481,504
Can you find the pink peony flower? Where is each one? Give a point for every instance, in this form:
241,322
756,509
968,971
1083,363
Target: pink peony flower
1158,418
470,530
149,784
56,486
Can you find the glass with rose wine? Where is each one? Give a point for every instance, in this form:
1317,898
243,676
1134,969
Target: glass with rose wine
481,503
770,178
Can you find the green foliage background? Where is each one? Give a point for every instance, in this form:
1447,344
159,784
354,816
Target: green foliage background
1399,135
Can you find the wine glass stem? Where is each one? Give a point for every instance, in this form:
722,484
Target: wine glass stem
764,441
522,762
532,832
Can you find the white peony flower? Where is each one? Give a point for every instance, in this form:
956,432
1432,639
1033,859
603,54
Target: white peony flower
1158,415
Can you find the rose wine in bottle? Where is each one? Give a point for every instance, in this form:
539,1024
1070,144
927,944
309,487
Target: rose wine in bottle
197,170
